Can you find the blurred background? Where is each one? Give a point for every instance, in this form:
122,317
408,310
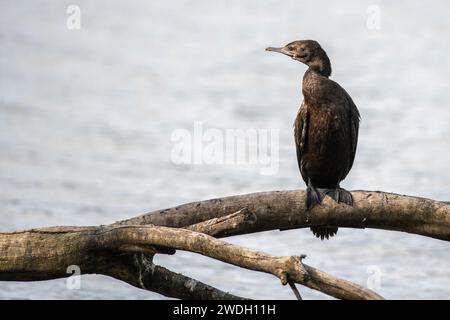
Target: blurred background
86,118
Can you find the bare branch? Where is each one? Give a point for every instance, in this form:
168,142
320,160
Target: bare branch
45,254
286,210
140,271
295,290
124,250
225,225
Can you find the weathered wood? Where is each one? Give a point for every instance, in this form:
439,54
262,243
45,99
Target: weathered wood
40,254
286,210
225,225
44,254
124,250
140,271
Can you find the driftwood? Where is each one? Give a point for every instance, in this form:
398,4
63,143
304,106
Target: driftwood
125,249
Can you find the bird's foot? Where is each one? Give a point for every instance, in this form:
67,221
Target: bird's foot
340,195
315,196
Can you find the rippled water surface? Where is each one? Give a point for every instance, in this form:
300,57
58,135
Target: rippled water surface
86,118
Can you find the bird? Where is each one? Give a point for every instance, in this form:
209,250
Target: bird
325,130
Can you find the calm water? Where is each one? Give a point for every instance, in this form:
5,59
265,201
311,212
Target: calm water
86,118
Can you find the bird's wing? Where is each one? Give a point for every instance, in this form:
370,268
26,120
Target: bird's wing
344,100
354,118
300,134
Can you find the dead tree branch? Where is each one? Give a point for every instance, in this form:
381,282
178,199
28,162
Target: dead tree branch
286,210
92,248
124,250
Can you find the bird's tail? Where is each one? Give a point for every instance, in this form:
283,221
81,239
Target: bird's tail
324,232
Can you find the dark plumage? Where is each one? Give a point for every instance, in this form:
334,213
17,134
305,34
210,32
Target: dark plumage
325,130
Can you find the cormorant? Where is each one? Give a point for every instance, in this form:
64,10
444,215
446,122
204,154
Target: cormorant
325,130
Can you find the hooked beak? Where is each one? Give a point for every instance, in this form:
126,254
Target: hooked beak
282,50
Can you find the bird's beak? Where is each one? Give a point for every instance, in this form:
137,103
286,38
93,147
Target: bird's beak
282,50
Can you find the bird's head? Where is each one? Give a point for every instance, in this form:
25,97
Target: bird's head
308,52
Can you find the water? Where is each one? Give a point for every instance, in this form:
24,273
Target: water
86,118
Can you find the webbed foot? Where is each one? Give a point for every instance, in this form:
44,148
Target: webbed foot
314,196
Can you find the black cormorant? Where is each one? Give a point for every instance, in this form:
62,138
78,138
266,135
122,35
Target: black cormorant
325,130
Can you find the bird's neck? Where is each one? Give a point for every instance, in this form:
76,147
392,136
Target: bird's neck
321,65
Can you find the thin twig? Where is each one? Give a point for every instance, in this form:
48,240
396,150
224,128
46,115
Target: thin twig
295,290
